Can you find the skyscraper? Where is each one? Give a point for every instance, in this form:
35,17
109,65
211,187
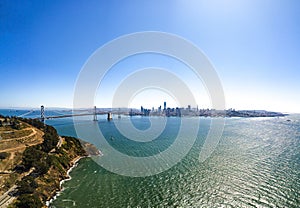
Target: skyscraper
165,105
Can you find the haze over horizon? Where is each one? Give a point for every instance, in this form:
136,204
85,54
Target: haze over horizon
253,45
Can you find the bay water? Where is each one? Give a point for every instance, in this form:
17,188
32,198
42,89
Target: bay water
256,164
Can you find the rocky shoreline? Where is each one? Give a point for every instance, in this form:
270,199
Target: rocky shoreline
68,177
90,150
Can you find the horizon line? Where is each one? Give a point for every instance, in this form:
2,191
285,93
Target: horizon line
70,108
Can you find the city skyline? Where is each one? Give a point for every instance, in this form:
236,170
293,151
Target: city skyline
253,46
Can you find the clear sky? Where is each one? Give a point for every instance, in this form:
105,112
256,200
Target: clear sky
253,44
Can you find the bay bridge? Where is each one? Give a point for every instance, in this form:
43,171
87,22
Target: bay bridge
94,113
89,112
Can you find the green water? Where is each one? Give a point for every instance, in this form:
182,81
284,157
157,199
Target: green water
256,164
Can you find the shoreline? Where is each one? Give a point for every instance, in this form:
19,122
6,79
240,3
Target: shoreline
68,177
75,162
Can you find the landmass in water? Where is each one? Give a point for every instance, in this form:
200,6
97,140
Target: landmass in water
182,112
33,161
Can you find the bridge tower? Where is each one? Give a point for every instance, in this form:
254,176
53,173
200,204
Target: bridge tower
119,113
95,114
42,113
109,116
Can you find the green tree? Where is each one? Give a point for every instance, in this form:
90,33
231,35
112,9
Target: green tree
42,167
50,141
29,201
32,156
15,124
3,155
27,185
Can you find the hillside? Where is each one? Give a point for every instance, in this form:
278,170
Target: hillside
33,161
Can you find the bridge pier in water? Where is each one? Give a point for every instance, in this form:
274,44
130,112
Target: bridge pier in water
109,116
95,114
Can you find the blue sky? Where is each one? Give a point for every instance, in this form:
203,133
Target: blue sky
253,44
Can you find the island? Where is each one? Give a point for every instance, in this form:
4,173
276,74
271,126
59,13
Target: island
34,159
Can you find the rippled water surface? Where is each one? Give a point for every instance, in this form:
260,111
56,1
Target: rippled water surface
256,164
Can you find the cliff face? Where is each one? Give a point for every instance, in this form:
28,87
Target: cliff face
61,160
44,165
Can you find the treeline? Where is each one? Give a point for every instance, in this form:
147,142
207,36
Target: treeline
39,159
11,121
33,122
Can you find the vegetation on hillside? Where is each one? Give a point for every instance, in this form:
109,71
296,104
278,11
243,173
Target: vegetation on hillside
3,155
43,165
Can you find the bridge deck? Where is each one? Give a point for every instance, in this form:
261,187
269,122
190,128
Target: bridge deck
72,115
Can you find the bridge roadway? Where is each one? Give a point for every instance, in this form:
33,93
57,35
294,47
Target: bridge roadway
72,115
98,113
